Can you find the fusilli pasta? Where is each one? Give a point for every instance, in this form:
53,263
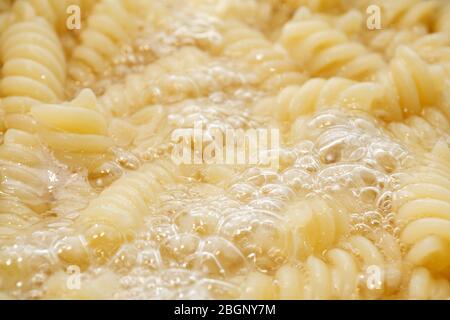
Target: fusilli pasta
202,149
77,132
423,212
335,276
408,13
317,94
324,51
113,217
110,25
410,85
34,65
275,70
24,181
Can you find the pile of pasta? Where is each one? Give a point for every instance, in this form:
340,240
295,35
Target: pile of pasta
358,207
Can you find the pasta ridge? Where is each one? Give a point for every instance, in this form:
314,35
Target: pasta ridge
275,71
423,213
110,24
324,51
34,66
24,187
77,132
341,273
110,219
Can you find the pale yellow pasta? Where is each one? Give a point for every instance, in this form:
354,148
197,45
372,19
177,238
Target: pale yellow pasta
76,132
112,218
258,286
408,13
337,275
111,23
386,41
317,94
424,286
421,133
164,81
423,213
324,51
202,149
274,68
410,84
442,22
33,65
315,226
24,181
329,6
55,11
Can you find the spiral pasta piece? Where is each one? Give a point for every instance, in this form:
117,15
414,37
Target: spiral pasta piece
112,218
24,181
410,85
109,26
424,213
423,285
274,70
34,65
421,133
325,52
435,48
317,94
356,269
315,225
355,204
386,41
156,83
76,132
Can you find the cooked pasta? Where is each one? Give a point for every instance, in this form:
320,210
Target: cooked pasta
76,132
316,225
442,22
111,23
125,98
113,217
421,133
408,13
317,94
325,51
337,275
202,149
33,65
423,212
411,84
424,286
54,11
275,70
386,41
24,193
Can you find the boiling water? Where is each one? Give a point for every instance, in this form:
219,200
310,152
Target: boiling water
213,229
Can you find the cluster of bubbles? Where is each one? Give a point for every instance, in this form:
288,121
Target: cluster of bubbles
186,27
200,239
348,156
179,254
221,234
